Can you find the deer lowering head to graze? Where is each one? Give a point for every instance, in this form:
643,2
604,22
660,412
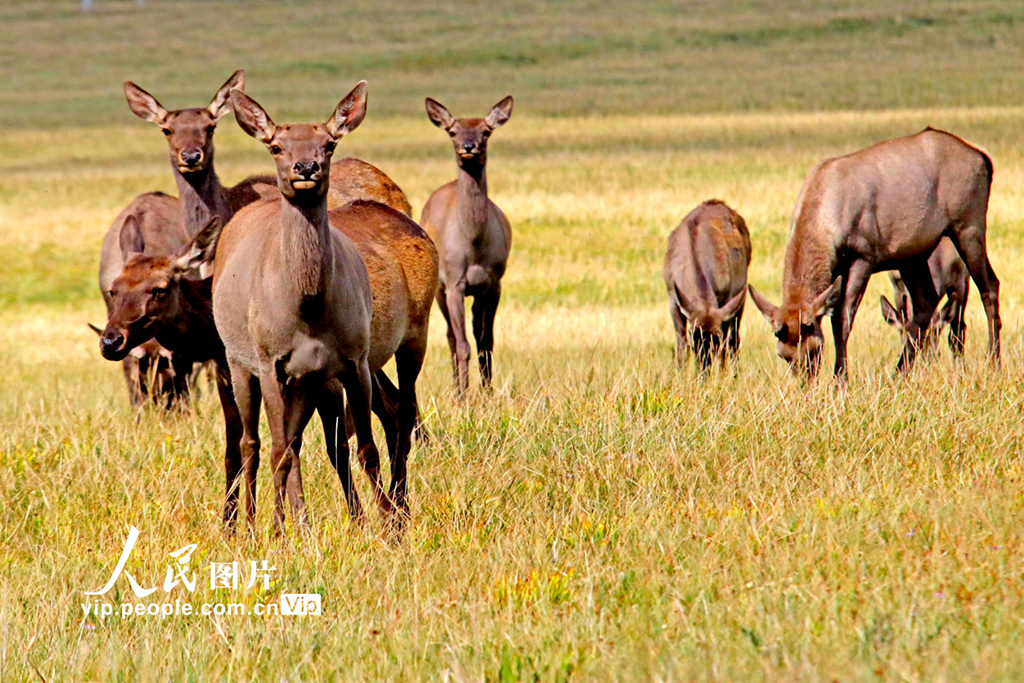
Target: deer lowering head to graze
293,305
884,207
473,239
189,135
706,278
952,280
157,217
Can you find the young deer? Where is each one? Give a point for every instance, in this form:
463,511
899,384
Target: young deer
705,274
884,207
292,303
473,239
158,217
952,280
189,135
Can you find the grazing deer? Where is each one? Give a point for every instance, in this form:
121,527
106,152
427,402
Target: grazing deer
189,135
293,305
706,277
158,217
473,239
881,208
952,280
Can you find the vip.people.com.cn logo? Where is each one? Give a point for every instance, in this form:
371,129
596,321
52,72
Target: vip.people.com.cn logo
229,576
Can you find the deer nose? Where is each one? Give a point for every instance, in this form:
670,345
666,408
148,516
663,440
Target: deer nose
306,169
191,159
468,147
111,342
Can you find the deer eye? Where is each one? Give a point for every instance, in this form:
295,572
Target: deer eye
487,134
806,330
210,129
167,132
159,291
330,146
275,150
451,133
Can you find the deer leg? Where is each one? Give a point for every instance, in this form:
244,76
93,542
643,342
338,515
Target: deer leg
332,413
970,242
246,394
390,391
301,399
232,448
733,337
846,310
385,407
181,380
442,303
409,360
485,307
923,300
133,378
359,389
957,326
455,298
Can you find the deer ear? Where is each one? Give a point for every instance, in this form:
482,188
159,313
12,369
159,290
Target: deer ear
251,117
221,102
686,307
889,313
98,331
827,300
767,308
500,113
143,104
349,113
437,113
202,249
731,307
132,241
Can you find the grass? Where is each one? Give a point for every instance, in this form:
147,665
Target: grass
600,515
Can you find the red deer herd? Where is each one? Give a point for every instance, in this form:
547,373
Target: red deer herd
296,288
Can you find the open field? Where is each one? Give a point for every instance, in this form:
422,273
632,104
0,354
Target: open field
600,515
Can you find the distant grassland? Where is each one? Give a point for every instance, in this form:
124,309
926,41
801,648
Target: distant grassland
601,515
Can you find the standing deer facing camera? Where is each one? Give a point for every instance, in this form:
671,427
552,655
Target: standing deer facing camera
473,239
292,304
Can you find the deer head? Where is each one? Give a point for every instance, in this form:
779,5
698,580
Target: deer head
189,132
147,293
302,151
797,327
706,324
469,136
900,316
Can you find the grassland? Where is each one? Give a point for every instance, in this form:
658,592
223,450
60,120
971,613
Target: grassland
600,515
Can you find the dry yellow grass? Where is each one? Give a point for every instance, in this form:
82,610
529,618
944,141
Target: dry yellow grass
600,515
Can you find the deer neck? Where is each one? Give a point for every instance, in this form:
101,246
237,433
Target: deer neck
472,185
306,250
191,332
202,197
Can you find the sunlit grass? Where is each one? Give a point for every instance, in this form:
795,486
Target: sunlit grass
601,515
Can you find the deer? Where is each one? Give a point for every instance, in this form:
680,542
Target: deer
473,238
881,208
189,134
158,216
705,275
293,305
951,280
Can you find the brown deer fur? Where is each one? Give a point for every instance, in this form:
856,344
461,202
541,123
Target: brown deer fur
158,217
881,208
706,277
293,305
473,239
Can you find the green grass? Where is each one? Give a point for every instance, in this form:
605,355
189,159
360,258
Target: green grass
601,515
